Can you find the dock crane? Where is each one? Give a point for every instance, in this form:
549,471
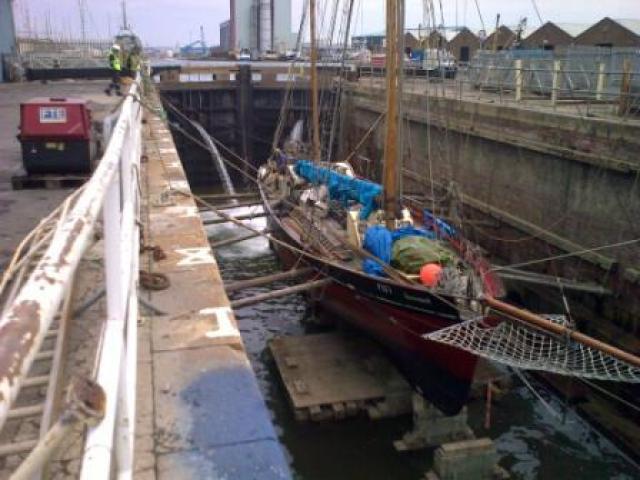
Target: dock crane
197,49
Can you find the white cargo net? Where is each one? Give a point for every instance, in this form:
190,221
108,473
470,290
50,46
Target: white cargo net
521,346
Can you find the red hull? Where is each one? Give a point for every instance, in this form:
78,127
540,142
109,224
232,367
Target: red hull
441,373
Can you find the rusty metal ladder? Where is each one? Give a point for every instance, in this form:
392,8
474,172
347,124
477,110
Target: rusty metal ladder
44,404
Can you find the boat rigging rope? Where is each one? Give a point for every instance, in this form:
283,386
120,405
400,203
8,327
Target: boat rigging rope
535,393
566,255
365,137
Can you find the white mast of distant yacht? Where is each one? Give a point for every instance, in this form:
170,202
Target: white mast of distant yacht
315,114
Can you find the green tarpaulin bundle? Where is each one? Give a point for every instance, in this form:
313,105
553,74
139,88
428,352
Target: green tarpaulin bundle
409,254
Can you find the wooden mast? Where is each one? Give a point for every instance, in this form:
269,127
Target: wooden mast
315,114
390,173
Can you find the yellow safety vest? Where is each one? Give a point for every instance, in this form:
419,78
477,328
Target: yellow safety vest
114,62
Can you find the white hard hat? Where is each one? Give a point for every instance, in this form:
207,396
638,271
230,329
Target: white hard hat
115,47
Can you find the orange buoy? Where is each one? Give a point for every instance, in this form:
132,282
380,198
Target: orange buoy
430,274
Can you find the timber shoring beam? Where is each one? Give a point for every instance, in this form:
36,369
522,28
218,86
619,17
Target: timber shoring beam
551,281
228,206
249,216
276,277
238,239
229,196
245,302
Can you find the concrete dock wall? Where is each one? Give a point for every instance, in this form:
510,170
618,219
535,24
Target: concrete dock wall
200,411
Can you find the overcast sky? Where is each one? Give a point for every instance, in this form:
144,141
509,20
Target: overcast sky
168,22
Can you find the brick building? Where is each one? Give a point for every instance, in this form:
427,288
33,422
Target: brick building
464,45
611,33
502,38
410,41
548,37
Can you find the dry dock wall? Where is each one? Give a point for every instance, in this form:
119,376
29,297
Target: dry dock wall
531,182
200,412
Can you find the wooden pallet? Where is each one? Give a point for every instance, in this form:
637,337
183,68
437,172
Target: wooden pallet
47,182
332,377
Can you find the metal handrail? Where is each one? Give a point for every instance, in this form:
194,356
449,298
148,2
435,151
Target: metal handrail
118,354
113,192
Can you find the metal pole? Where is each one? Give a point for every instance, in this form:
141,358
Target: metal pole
625,88
555,82
315,112
116,372
601,81
99,445
126,413
518,71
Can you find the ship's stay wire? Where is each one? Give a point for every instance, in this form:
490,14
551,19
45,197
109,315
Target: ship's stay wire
567,255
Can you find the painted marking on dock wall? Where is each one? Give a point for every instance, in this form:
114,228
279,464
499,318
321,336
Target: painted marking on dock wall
179,211
226,328
182,185
174,164
195,256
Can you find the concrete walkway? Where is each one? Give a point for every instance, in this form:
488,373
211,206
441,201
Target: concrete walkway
200,413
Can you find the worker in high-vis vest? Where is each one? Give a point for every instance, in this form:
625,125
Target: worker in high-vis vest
133,63
115,64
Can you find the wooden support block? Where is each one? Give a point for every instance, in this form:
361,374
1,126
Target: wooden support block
315,413
301,414
351,408
47,182
339,411
330,376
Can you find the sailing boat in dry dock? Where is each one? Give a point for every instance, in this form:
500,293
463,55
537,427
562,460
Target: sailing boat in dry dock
324,209
421,292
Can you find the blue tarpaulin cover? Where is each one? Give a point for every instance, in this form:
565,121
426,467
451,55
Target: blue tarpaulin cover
378,240
341,187
443,227
410,231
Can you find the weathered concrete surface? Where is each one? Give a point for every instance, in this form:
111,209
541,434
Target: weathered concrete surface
200,413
